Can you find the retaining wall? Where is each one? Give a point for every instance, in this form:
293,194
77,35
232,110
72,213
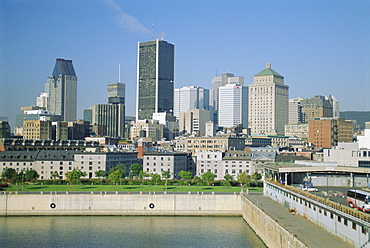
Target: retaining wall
350,225
120,204
270,231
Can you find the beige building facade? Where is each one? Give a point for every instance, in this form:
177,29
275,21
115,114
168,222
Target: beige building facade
268,103
214,144
37,130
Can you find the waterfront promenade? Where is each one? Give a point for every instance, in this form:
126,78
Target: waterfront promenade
309,233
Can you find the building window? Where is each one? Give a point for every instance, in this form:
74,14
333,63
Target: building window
90,163
353,225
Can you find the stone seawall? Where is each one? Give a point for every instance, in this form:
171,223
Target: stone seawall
120,204
269,230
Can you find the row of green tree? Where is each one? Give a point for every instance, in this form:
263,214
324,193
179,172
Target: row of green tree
118,175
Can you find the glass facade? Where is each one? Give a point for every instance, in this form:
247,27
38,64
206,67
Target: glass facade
155,78
62,89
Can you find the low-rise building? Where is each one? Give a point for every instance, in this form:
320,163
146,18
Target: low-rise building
157,162
45,162
214,144
229,162
348,154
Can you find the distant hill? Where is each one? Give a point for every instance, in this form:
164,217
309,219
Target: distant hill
360,116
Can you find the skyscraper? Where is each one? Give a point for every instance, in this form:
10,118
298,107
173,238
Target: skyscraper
190,97
116,93
112,114
268,103
295,111
233,108
62,89
317,107
218,81
155,78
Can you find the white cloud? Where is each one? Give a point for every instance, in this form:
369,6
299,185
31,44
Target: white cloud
125,21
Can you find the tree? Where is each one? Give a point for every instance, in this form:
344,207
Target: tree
155,178
208,177
120,166
54,175
135,169
18,177
227,181
244,179
101,174
142,175
198,181
117,175
256,176
228,178
75,175
31,175
186,175
8,173
166,175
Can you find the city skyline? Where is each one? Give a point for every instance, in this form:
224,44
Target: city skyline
319,47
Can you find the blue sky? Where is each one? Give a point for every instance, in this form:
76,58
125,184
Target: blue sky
320,47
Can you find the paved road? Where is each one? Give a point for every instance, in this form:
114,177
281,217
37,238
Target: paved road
311,234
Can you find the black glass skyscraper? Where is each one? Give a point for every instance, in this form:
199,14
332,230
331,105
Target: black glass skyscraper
155,78
62,89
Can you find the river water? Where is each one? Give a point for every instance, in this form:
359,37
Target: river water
130,231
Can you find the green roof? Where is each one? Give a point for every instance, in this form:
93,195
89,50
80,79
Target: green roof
268,71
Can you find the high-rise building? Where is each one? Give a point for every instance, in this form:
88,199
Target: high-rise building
335,103
268,103
295,111
316,107
190,97
62,89
233,109
155,78
116,93
43,100
110,115
193,121
217,82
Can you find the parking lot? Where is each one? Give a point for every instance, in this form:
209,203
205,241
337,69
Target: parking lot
336,194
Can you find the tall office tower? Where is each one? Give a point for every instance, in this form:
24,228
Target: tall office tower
42,100
335,103
295,111
112,116
193,121
155,78
190,97
316,107
233,108
218,81
268,103
62,89
116,93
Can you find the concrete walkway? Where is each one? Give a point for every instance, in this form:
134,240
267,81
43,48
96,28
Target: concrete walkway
311,234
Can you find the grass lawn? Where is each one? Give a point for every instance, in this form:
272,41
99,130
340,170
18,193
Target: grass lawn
126,188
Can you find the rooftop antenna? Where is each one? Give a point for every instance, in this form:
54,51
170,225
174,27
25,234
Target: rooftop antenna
119,72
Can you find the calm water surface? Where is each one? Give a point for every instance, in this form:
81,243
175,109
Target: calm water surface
112,231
